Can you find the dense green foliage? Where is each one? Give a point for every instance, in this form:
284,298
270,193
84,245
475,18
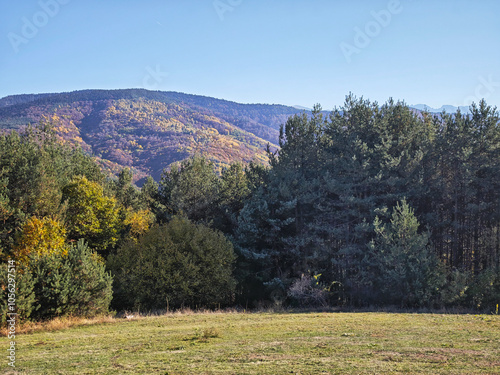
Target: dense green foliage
77,284
53,285
334,182
174,265
52,195
379,205
399,266
194,189
34,168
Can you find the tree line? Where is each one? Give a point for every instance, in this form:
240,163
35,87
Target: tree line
370,205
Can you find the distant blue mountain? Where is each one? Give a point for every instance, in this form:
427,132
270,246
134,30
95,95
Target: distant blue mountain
302,108
446,108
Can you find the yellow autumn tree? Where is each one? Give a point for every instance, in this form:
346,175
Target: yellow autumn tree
40,236
91,214
138,222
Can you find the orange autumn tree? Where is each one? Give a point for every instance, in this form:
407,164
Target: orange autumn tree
40,236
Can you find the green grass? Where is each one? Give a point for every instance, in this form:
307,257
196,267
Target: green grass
269,343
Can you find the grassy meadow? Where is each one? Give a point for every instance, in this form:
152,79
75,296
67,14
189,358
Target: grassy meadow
266,343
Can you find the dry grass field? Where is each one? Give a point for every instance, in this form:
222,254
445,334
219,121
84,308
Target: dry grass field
264,343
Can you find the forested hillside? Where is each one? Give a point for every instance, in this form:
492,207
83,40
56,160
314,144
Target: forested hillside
370,205
149,130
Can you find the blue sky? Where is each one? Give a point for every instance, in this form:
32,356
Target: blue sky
293,52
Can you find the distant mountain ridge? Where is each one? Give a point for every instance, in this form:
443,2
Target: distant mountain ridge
445,108
149,130
20,99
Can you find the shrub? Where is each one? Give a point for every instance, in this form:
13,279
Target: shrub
307,292
77,284
174,265
453,292
484,291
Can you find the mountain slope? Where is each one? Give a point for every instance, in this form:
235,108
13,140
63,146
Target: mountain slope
149,130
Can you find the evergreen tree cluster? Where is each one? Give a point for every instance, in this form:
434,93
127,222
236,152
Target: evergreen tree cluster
389,205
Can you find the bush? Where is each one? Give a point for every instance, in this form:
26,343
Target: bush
53,285
307,292
77,284
174,265
484,291
453,292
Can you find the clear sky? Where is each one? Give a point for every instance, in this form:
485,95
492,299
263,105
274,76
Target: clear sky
293,52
